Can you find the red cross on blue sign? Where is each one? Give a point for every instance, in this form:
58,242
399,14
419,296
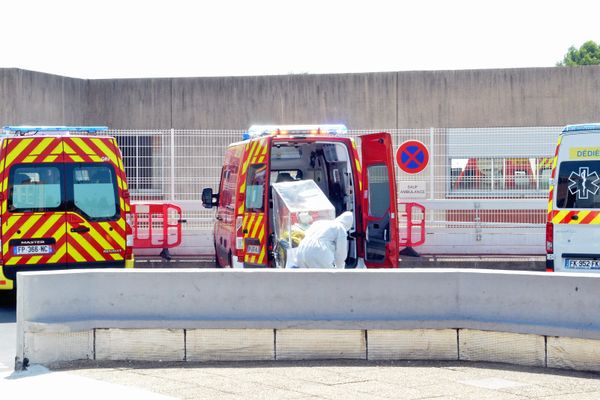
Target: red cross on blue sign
412,156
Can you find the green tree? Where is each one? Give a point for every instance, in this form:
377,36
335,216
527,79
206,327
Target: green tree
587,54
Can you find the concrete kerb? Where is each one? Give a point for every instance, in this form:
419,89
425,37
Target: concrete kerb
274,315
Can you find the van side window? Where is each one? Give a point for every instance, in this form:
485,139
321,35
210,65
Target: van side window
255,187
34,188
578,184
95,190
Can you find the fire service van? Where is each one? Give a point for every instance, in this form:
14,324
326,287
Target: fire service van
573,224
64,201
244,228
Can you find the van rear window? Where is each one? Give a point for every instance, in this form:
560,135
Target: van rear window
34,188
578,184
95,190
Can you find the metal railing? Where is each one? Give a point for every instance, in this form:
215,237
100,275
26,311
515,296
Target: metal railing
484,189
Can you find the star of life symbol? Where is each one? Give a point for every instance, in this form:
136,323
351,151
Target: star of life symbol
583,183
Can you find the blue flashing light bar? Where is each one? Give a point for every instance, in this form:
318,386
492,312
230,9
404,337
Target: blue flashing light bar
582,127
27,129
295,130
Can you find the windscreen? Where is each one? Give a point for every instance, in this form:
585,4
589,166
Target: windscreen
577,185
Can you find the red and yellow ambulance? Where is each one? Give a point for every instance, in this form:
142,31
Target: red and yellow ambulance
243,233
64,201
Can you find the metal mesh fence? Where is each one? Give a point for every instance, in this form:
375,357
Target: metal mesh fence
484,189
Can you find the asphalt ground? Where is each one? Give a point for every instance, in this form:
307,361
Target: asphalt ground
412,380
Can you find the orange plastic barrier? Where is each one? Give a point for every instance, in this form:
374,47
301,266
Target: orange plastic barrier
414,232
156,225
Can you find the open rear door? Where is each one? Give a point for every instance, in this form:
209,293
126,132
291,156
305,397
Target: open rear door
379,214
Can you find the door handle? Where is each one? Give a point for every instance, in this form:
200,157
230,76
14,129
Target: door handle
219,218
80,229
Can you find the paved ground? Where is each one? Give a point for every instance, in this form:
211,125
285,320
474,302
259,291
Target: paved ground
345,380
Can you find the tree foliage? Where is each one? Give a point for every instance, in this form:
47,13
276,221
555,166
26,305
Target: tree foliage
587,54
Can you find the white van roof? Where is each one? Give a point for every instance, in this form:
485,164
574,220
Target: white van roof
579,128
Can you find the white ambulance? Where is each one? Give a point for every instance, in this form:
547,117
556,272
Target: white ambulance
573,224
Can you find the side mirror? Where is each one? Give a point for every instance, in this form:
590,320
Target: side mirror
209,200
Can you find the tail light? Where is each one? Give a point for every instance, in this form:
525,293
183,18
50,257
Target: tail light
549,238
549,247
128,237
239,236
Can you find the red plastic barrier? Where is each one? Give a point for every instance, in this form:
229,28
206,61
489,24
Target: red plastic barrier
414,230
156,225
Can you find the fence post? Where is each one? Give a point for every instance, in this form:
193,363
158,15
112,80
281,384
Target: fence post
431,164
172,164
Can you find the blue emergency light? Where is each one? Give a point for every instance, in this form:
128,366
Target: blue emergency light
27,129
295,130
582,127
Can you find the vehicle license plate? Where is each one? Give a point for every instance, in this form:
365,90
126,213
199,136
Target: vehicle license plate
28,250
582,264
253,249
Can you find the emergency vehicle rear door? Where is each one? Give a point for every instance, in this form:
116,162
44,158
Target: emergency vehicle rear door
256,202
96,186
379,214
33,203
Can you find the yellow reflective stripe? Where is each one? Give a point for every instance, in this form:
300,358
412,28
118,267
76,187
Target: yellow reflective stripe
101,240
84,243
581,216
13,260
44,143
249,222
559,216
50,159
257,225
81,144
47,225
74,254
59,253
68,149
58,149
10,157
120,240
104,148
29,159
27,225
33,260
76,158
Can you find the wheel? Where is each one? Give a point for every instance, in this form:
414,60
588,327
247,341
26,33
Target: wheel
217,263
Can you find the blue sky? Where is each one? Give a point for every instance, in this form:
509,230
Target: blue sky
124,38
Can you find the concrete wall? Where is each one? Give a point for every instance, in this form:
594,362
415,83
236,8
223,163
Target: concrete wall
28,98
470,98
490,315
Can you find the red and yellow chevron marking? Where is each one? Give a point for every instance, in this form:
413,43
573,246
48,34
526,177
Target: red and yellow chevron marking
357,163
105,241
99,244
584,217
254,223
37,225
32,150
256,151
544,163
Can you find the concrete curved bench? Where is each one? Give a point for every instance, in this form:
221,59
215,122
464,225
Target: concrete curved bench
528,318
